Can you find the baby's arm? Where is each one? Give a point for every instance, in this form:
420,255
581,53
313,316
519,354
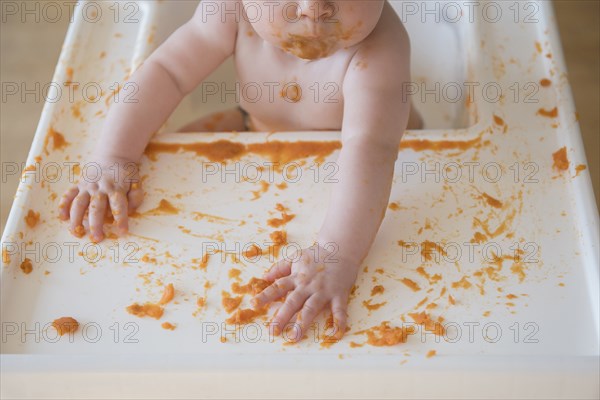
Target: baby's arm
375,117
168,75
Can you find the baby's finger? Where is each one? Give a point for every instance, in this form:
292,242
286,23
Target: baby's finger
65,203
275,291
292,305
98,205
278,270
339,305
78,207
118,206
135,196
309,312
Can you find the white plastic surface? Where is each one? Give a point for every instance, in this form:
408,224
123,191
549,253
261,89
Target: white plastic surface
547,343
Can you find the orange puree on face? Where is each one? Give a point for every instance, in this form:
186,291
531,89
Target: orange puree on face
147,310
561,162
58,141
65,325
26,266
32,218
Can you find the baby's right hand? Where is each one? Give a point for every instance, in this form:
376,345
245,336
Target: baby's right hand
106,182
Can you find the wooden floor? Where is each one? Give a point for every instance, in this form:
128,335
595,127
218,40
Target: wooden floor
29,52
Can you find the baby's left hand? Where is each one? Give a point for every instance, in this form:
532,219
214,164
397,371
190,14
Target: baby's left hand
314,280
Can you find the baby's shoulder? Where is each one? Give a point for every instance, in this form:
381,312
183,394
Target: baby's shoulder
382,60
388,39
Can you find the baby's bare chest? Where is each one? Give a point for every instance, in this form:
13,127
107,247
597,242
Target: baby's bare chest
287,93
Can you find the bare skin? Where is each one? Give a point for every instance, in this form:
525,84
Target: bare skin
349,60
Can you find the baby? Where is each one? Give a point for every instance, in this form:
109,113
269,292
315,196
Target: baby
356,52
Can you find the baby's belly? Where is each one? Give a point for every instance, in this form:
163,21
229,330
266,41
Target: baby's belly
293,107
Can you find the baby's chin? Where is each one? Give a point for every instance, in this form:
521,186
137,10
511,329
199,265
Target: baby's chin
309,48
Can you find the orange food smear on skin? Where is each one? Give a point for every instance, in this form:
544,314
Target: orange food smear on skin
553,113
26,266
79,231
65,325
561,162
32,218
291,92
